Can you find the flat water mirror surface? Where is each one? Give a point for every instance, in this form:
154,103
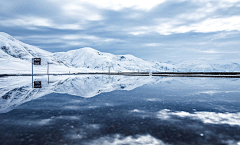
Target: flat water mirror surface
119,110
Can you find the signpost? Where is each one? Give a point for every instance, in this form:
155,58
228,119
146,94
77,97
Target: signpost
36,61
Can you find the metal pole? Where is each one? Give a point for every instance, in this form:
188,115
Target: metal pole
47,67
32,72
48,71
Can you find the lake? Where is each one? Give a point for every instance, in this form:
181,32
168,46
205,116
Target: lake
102,109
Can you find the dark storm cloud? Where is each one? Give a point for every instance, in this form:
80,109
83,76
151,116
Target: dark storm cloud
163,30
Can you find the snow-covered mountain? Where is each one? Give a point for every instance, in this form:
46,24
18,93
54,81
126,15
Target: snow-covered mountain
16,57
96,60
17,49
84,59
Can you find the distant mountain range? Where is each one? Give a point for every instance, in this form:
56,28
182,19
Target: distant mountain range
15,57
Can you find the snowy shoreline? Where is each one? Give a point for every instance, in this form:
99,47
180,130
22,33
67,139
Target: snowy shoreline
165,74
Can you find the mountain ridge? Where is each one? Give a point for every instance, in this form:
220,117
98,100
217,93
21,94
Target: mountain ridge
96,60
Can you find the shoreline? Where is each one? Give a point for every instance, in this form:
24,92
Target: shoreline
164,74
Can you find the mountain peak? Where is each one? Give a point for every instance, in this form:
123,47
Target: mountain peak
80,50
88,49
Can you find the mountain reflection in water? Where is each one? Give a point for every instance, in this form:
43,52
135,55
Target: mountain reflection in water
17,90
94,110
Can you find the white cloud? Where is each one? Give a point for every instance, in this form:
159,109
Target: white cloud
138,111
206,117
79,11
202,19
138,30
222,35
68,39
34,22
209,51
120,4
153,44
69,117
76,43
68,27
192,16
137,33
154,100
179,26
27,21
76,37
216,24
37,122
119,140
206,26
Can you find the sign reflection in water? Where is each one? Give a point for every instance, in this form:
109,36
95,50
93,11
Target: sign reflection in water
37,84
120,110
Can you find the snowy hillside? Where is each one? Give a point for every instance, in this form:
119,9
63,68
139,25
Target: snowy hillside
12,47
96,60
16,57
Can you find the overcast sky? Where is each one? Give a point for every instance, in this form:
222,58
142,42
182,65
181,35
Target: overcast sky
163,30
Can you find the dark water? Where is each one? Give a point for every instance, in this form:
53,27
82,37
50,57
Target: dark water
161,111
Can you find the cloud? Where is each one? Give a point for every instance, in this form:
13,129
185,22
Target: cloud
154,44
119,139
206,117
214,24
169,26
88,37
121,4
35,122
209,51
36,22
74,10
207,17
67,40
26,21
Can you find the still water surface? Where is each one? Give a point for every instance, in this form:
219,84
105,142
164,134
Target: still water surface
120,110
